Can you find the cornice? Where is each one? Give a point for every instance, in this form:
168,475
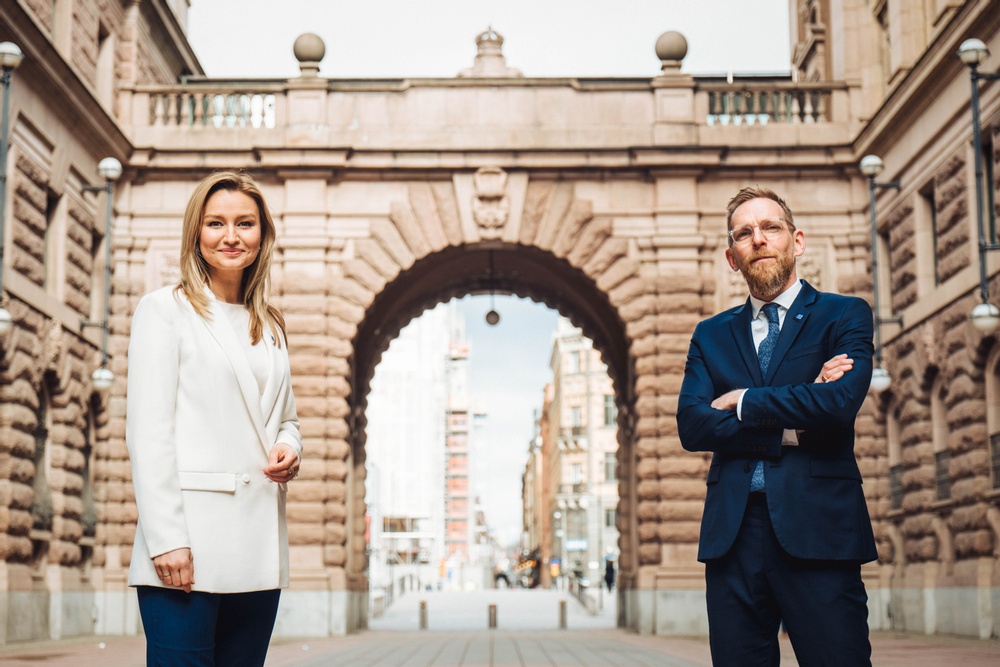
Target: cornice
176,37
47,73
938,67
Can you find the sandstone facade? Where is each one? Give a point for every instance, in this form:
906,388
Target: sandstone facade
602,198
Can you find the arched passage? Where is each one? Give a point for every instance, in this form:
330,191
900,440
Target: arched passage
504,269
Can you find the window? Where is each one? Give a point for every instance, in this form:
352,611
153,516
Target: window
939,425
576,473
55,245
575,416
610,467
41,506
610,518
993,415
989,191
610,411
573,362
105,66
927,240
895,459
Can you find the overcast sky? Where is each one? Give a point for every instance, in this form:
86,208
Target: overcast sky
436,38
433,38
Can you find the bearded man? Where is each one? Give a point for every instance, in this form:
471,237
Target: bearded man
772,388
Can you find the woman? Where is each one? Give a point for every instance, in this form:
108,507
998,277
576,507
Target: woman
213,438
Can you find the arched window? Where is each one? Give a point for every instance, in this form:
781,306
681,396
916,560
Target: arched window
939,430
993,414
892,433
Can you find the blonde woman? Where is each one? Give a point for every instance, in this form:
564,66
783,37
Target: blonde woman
213,438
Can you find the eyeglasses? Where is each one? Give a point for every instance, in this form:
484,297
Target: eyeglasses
770,229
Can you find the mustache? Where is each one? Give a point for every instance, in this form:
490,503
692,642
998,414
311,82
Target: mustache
762,255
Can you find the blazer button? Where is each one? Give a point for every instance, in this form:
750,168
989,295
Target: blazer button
246,478
746,468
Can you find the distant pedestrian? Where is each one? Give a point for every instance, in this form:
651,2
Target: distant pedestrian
609,573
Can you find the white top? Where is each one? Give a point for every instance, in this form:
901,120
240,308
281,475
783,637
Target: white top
239,319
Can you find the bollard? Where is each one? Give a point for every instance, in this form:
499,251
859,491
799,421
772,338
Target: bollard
423,614
493,616
562,614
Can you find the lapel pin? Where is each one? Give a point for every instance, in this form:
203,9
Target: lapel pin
799,316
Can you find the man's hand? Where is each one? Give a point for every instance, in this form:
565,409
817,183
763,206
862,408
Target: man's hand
176,568
729,400
834,369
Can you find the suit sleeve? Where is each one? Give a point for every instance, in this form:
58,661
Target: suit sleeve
703,428
153,374
811,406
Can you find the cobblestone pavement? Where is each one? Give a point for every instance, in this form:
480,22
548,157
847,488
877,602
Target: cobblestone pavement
527,635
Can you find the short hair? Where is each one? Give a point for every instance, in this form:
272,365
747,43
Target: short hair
256,277
756,192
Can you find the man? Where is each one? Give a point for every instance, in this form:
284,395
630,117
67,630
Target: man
773,391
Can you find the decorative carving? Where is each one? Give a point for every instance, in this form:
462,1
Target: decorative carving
490,206
809,269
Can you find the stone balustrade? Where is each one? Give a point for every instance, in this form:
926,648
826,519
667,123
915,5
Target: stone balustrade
560,103
764,102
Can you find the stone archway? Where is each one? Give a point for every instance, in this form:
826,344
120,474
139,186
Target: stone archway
508,269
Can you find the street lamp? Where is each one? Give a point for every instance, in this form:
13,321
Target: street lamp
10,58
110,169
972,52
871,166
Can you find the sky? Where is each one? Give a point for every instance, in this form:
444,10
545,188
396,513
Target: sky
544,38
436,38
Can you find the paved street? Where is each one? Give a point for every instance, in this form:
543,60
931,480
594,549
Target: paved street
527,636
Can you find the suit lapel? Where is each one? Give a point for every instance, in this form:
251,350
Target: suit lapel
232,348
275,375
795,319
740,326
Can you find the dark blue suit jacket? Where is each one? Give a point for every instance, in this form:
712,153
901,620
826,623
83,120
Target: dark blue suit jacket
814,490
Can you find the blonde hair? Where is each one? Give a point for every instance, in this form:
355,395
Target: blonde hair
256,277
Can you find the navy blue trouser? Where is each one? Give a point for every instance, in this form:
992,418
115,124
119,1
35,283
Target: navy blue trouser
757,585
206,629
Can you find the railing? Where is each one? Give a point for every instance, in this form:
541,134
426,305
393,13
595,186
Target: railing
208,105
263,104
763,103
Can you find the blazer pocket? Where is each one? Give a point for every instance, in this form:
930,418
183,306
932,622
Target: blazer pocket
840,469
224,482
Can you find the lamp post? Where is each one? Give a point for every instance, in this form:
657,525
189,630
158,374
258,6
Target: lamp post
871,166
110,169
10,58
985,316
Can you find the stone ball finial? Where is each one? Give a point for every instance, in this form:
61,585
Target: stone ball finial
309,50
671,48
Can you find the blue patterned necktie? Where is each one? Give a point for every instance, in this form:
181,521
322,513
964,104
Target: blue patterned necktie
764,352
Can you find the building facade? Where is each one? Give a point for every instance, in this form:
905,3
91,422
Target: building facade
602,198
582,422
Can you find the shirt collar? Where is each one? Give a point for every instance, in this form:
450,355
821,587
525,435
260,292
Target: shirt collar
785,299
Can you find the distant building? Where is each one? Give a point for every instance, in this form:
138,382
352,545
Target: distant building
582,497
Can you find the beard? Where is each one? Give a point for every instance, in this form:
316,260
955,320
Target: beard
770,278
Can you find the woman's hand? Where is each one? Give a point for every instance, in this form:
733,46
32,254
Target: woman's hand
283,464
176,568
834,369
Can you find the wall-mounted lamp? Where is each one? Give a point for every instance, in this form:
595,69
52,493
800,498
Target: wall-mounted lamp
110,169
10,58
871,166
972,52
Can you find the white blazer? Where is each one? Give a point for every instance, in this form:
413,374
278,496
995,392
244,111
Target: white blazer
199,432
